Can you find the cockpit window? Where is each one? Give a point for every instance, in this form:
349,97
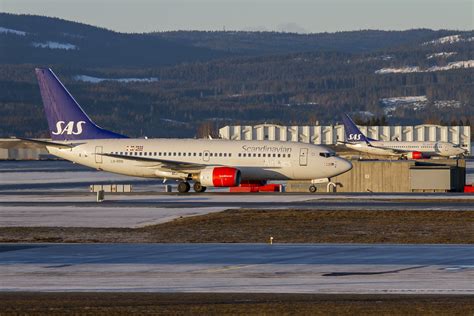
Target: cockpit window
327,155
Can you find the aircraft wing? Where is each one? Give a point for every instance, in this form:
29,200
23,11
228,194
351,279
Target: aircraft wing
342,142
162,163
42,143
391,150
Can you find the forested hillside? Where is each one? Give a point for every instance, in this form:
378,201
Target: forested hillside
264,43
219,78
36,39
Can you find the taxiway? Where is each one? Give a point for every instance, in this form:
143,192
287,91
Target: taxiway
295,268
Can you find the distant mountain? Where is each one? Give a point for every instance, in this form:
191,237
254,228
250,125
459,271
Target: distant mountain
264,43
45,40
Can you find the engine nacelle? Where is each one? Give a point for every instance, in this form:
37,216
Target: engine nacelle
220,177
415,155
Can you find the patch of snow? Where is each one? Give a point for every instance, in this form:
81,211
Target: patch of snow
416,103
55,45
409,99
5,30
445,40
441,104
386,57
91,79
301,103
441,55
407,69
363,113
173,121
450,66
453,65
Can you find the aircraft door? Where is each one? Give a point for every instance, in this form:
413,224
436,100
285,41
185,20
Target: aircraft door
205,155
303,156
98,154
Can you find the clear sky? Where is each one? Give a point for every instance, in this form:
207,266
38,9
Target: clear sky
283,15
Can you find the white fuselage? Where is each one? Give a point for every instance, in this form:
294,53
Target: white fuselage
398,148
257,160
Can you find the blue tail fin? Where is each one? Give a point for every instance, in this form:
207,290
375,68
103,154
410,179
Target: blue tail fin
66,119
353,133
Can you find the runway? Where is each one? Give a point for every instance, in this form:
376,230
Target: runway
254,268
137,210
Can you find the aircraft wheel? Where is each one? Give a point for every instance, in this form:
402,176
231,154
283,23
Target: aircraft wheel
312,188
183,187
198,187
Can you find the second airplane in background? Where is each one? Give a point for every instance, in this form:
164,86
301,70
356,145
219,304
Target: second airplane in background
402,149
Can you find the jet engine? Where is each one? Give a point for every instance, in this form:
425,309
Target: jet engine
220,177
415,155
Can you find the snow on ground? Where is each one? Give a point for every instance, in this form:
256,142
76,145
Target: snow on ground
440,55
91,79
173,121
409,69
441,104
5,30
72,210
453,65
449,40
55,45
238,268
77,216
415,102
401,100
446,40
365,114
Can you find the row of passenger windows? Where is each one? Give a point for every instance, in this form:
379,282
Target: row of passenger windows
170,154
264,155
410,146
200,154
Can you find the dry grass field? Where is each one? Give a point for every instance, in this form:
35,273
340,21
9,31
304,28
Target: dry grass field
230,304
286,226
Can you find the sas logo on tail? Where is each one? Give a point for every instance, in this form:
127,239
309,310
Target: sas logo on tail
354,136
63,128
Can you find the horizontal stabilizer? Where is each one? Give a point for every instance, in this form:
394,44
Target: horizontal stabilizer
46,143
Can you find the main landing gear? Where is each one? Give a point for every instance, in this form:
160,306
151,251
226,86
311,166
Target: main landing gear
184,187
198,187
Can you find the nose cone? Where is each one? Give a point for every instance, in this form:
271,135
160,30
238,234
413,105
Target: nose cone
343,165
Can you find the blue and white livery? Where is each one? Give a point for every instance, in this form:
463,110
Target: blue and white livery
356,140
209,163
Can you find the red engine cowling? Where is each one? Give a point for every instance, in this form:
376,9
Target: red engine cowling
220,177
415,155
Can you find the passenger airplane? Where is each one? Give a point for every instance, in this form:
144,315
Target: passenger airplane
210,163
403,149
